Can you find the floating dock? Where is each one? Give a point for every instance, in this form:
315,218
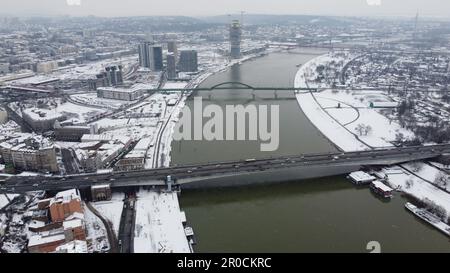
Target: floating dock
361,178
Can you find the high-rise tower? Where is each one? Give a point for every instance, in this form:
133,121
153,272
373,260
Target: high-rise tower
235,39
171,66
151,56
144,54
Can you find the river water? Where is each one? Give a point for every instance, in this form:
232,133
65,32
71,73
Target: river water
319,215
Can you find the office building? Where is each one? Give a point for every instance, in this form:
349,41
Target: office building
188,61
171,66
144,54
157,58
112,76
172,48
151,56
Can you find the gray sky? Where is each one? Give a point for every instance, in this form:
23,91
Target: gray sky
438,8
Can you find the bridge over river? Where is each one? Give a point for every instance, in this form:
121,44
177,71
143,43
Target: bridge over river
232,173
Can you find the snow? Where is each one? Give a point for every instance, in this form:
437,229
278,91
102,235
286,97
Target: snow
329,127
427,172
382,132
111,210
159,227
361,176
322,110
3,201
398,178
95,232
75,246
174,85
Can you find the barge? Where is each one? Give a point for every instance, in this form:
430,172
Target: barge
429,217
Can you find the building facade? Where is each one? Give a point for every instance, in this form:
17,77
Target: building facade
150,56
171,66
29,155
65,204
128,94
235,39
188,61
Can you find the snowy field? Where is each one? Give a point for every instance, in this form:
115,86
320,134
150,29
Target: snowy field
158,224
340,113
329,127
111,210
430,174
413,185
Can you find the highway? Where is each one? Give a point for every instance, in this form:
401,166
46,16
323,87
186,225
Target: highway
156,177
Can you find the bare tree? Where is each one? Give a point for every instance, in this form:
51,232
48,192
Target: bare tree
441,180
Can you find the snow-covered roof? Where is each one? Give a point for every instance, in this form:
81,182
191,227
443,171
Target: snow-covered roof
361,176
76,246
74,223
36,224
75,215
381,186
67,196
36,240
42,114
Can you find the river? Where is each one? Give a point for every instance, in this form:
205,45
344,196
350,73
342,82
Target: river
319,215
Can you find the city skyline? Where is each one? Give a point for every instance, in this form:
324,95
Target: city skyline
432,8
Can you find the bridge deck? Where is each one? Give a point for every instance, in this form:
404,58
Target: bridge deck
196,172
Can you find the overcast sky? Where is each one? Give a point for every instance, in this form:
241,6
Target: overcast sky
438,8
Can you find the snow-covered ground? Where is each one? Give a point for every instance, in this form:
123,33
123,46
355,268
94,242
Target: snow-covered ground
329,127
338,114
159,227
95,232
5,199
430,174
402,180
111,210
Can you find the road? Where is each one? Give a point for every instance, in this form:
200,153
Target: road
70,161
157,151
126,229
156,177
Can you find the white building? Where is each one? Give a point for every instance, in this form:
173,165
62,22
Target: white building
46,67
129,94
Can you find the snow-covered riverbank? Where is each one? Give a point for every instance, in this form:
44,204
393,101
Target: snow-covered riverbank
346,117
349,120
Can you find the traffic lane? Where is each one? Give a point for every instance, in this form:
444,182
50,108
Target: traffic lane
221,167
254,166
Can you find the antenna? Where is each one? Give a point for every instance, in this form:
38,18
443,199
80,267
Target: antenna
416,21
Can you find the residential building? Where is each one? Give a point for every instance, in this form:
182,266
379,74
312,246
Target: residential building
235,39
65,204
29,153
